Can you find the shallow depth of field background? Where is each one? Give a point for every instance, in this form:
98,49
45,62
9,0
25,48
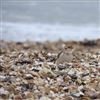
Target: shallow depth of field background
41,20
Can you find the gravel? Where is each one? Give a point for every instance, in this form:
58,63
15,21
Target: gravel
39,71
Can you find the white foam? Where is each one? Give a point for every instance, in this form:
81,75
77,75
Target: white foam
43,32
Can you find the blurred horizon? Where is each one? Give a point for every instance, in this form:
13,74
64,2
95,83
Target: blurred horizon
45,19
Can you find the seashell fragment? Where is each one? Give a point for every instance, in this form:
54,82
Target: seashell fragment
4,93
79,94
28,76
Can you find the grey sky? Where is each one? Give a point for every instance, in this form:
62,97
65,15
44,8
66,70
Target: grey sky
47,11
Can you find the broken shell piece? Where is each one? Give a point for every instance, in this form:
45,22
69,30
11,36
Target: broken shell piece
28,76
2,78
45,72
61,67
74,76
79,94
95,96
80,88
71,72
52,66
36,69
28,94
4,93
65,89
44,98
18,97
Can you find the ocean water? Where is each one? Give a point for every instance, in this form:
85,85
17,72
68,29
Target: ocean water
51,32
41,20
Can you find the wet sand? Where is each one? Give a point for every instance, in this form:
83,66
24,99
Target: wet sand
33,71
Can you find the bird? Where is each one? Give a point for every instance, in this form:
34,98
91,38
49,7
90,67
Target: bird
65,55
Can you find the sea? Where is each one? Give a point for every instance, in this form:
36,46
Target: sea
49,20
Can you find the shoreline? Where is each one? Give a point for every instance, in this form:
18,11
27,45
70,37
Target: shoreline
28,70
42,32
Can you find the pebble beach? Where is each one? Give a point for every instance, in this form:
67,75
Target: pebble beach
47,71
